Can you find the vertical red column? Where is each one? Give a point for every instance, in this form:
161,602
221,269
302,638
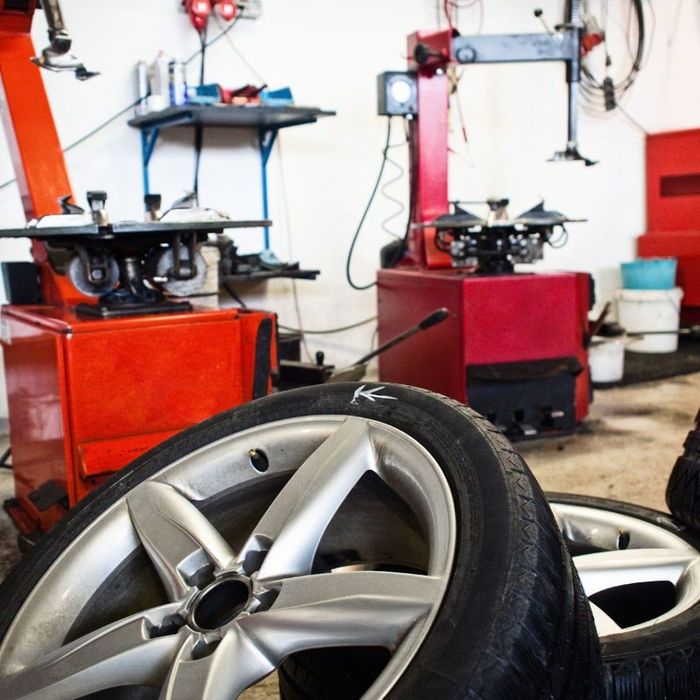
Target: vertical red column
33,141
429,148
36,151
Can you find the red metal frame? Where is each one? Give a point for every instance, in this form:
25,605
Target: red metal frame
673,209
428,149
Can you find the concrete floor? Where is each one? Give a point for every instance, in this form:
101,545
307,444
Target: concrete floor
627,446
625,450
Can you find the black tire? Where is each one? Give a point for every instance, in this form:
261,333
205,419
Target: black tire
514,622
683,489
659,663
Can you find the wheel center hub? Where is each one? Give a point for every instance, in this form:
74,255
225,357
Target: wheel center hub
220,602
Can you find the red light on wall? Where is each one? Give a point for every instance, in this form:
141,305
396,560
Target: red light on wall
226,9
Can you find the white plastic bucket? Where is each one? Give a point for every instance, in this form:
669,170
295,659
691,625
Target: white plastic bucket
606,358
650,310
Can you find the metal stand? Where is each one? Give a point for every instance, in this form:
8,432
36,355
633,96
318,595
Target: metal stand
267,120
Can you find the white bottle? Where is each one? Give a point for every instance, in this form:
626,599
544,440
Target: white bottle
159,79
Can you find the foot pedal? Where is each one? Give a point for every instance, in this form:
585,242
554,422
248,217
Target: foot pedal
50,494
554,418
526,430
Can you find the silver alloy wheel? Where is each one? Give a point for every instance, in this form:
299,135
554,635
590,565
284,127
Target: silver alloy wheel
231,617
625,551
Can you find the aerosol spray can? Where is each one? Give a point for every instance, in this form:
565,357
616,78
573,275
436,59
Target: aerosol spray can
142,87
158,75
178,82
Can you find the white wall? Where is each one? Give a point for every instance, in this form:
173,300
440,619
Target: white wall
329,52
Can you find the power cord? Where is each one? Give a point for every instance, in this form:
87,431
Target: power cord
198,130
605,95
238,53
400,207
131,105
375,189
329,331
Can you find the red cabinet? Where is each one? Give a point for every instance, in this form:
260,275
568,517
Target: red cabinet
87,396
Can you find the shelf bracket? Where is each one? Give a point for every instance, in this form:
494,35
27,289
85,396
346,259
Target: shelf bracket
148,144
266,140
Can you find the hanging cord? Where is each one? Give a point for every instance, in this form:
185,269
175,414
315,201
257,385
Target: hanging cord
448,8
348,261
232,293
329,331
400,207
288,225
198,130
5,459
238,53
605,96
131,105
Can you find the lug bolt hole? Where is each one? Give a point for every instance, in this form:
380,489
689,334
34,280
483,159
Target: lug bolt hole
623,539
258,460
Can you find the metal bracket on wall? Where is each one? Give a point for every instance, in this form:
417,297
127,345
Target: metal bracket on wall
266,140
148,144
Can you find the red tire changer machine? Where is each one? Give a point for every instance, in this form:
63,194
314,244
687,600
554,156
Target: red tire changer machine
103,357
514,347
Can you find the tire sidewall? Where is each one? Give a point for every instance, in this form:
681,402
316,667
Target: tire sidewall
681,631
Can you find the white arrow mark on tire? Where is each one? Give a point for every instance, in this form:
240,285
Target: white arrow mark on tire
370,394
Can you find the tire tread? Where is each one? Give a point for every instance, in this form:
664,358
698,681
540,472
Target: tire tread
683,489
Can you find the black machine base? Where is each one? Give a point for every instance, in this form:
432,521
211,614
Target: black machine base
526,400
103,310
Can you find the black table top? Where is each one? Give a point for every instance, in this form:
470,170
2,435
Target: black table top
130,228
260,116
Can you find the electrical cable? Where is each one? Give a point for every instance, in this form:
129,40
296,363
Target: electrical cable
400,207
224,33
237,51
198,130
448,7
329,331
86,136
628,116
232,293
287,220
560,240
605,95
4,459
131,105
348,261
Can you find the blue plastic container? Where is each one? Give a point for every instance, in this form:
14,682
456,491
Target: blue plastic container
650,273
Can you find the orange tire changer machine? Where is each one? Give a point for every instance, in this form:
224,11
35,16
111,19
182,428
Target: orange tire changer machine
92,382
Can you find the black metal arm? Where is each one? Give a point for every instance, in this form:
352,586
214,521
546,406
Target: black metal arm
563,45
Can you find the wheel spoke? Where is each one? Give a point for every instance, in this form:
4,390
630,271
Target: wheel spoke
235,664
603,570
294,524
356,608
346,609
133,651
180,541
604,624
